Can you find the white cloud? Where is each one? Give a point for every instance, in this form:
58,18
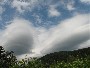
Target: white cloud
18,37
52,12
85,1
67,35
23,38
70,7
21,6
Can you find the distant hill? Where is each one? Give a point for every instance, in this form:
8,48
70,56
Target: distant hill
66,56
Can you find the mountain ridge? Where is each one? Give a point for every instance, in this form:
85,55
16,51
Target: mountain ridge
66,56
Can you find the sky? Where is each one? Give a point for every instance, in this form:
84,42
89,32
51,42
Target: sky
39,27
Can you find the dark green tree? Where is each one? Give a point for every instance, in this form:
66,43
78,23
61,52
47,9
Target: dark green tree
7,59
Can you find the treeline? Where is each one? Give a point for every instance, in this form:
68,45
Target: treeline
7,59
63,59
66,56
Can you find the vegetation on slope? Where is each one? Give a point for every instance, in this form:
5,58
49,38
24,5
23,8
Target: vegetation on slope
63,59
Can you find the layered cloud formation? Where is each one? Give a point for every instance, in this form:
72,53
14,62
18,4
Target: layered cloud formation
39,27
68,35
23,38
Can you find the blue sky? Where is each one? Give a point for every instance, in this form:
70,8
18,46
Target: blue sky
41,11
51,25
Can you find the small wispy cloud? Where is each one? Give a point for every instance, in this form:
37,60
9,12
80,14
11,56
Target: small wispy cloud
70,6
53,12
1,11
85,1
23,5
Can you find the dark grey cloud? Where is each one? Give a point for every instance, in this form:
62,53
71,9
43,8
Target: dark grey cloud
20,44
70,43
18,37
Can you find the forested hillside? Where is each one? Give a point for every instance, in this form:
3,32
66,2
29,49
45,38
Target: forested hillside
63,59
66,56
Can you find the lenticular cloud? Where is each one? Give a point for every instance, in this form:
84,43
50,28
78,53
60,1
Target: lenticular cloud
68,35
18,37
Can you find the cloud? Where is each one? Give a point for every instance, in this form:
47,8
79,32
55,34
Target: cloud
53,12
85,1
67,35
23,38
18,37
2,2
22,5
84,44
38,19
1,11
70,6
